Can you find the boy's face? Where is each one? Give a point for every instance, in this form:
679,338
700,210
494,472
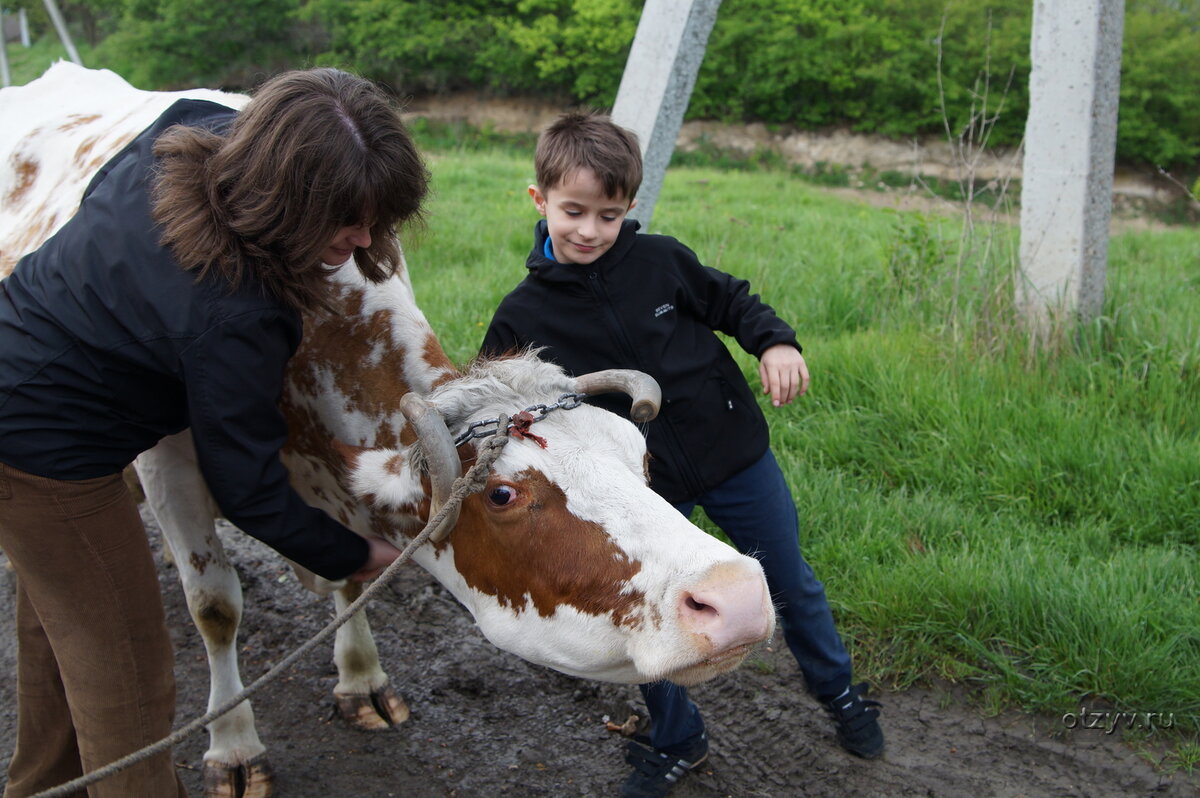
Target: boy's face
583,222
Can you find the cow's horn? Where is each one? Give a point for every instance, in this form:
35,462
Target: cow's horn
641,387
440,454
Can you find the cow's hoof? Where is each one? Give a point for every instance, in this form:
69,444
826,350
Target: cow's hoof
380,710
253,779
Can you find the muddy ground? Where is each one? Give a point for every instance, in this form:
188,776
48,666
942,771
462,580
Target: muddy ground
485,723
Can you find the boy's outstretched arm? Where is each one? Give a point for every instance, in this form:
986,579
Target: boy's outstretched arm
784,373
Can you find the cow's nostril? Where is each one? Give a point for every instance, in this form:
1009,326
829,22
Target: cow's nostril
728,608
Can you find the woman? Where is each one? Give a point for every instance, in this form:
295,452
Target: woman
172,299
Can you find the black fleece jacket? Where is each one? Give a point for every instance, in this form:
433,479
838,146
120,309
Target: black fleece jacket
649,304
107,345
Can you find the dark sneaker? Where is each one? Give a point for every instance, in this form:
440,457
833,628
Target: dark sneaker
655,773
857,722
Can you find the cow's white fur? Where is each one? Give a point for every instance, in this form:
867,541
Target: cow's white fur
594,457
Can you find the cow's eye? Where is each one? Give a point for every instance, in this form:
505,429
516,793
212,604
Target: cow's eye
502,495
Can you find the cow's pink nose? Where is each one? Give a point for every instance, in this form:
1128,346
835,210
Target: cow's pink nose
729,606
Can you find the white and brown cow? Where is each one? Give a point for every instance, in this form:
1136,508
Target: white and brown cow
566,558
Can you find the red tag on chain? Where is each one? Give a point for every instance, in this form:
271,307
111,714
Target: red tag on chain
520,428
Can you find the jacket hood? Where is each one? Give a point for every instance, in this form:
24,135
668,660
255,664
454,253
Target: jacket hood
542,267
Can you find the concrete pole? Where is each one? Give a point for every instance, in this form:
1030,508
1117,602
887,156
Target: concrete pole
60,25
1070,142
657,84
23,21
5,77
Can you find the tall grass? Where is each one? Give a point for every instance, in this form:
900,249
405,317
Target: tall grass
1023,519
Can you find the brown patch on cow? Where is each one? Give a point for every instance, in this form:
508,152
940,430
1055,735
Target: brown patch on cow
359,353
26,170
84,150
312,445
42,223
109,150
539,553
200,562
405,521
433,354
77,120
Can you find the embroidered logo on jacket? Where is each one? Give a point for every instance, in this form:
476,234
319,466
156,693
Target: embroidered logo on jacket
666,307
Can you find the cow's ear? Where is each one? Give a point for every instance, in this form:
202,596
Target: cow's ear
349,453
381,477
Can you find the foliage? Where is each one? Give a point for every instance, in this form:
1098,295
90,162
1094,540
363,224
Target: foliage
425,45
900,68
178,43
1160,81
579,45
869,64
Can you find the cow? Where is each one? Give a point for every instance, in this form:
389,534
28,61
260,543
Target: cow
565,558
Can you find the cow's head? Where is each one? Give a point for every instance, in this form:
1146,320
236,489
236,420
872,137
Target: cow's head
566,557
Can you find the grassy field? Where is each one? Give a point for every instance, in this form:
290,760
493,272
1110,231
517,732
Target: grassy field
1022,519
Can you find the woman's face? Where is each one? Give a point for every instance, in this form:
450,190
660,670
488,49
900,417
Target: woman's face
344,242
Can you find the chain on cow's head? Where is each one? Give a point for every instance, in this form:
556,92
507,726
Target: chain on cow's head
518,425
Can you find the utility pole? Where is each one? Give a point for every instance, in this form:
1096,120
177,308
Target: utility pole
1070,146
657,85
60,25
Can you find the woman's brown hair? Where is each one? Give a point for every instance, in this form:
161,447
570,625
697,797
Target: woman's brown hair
314,151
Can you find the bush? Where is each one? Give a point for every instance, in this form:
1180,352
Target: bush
900,68
167,44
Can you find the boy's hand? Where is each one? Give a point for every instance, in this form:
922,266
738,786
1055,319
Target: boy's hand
784,374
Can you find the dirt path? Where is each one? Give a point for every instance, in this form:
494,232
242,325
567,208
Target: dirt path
487,724
1136,190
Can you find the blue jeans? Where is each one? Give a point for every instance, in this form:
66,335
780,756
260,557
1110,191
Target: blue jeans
754,508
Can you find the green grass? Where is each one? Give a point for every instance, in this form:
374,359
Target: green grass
1024,520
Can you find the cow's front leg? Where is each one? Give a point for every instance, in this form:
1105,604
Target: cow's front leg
362,693
235,765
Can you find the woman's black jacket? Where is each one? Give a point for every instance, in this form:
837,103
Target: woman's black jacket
107,345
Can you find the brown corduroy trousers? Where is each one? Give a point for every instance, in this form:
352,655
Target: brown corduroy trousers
95,668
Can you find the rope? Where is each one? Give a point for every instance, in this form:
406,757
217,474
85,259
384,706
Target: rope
471,482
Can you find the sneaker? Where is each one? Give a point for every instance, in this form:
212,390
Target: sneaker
857,722
655,772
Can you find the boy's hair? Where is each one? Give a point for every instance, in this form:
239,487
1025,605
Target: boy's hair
579,140
314,151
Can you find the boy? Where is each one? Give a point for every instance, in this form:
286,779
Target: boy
599,295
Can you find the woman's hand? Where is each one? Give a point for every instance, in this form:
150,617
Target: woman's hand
380,556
